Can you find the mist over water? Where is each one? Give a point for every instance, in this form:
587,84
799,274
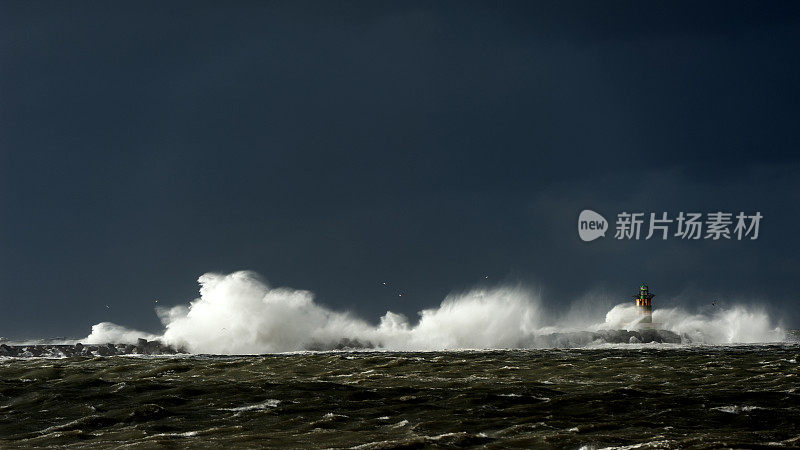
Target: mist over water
239,313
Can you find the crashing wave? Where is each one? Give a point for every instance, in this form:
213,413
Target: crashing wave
239,313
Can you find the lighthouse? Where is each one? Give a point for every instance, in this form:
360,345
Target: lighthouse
644,305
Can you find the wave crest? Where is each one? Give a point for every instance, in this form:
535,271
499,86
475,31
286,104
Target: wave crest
239,313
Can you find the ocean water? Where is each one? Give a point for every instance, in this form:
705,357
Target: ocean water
636,396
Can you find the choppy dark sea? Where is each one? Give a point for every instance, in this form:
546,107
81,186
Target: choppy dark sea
626,396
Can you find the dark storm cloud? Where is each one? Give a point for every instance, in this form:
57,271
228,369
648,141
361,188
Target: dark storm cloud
331,146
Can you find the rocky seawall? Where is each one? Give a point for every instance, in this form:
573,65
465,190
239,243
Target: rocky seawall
584,338
145,347
142,347
554,340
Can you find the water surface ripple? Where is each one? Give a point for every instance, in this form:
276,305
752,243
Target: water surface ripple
650,397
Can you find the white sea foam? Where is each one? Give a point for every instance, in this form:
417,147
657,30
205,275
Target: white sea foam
269,403
105,332
239,313
736,324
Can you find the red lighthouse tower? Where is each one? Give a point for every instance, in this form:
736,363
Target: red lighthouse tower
644,304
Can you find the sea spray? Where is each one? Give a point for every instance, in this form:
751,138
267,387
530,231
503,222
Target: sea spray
107,332
239,313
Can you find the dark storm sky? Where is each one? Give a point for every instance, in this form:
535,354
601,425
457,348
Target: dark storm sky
331,146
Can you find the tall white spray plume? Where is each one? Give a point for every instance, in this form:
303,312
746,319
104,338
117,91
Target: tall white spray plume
239,313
